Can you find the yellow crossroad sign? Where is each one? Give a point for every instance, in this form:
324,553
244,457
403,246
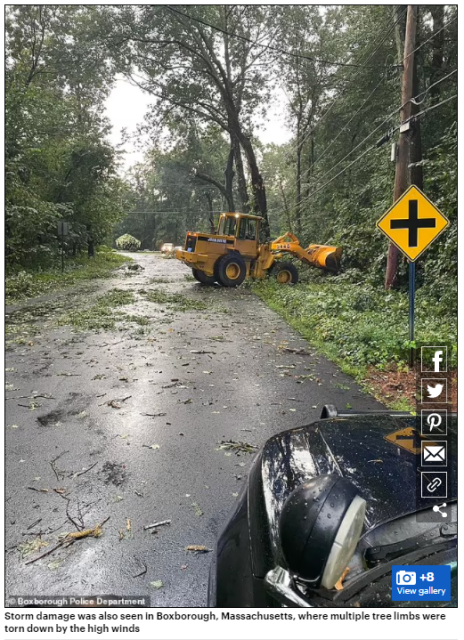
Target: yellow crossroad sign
409,439
413,223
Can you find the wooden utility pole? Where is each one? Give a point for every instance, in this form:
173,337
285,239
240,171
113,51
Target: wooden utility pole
402,160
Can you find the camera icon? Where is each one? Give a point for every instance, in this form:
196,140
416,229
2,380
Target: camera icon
406,577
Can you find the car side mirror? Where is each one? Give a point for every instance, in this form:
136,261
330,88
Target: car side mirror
320,526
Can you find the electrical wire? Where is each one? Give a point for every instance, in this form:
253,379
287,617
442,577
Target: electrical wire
379,143
346,125
401,15
265,46
169,212
431,37
389,117
384,139
370,54
421,113
424,93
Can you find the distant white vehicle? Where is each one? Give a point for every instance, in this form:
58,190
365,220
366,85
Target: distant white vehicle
167,247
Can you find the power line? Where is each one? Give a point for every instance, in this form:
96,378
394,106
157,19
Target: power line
424,93
383,40
384,139
431,37
370,54
379,143
265,46
421,113
186,212
346,125
381,125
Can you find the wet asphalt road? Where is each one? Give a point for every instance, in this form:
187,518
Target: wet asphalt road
83,450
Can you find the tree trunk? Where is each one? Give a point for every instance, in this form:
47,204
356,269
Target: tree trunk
298,181
286,209
229,179
257,184
90,242
241,181
211,212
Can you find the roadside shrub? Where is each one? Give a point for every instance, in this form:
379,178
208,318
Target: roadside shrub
19,286
360,324
128,243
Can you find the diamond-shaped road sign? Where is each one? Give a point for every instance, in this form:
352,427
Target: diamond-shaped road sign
413,223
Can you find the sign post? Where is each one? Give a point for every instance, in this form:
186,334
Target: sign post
412,224
412,296
63,230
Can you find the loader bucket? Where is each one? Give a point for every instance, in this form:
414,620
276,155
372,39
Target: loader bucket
323,257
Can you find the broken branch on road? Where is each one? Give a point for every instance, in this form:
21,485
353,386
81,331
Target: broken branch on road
142,573
237,447
114,403
85,470
157,524
153,415
71,538
46,396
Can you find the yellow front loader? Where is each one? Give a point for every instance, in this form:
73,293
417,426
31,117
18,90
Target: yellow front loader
235,253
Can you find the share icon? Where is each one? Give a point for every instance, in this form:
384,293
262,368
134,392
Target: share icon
438,509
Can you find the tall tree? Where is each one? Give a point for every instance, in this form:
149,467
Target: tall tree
59,163
211,61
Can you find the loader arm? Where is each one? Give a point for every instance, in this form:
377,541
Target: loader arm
316,255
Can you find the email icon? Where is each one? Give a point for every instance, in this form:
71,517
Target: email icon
434,454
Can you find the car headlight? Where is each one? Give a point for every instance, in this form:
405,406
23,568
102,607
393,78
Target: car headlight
320,526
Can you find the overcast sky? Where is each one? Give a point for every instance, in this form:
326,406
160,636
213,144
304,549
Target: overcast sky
127,105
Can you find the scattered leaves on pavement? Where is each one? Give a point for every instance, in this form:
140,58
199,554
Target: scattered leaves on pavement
198,511
157,584
237,447
26,548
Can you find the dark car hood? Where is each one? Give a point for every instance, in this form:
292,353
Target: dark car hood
354,447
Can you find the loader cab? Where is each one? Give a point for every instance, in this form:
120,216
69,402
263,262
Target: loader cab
244,228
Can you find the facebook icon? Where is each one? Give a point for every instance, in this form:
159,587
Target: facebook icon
437,358
434,359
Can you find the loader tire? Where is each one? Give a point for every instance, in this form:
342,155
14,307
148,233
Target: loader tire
202,277
230,270
285,273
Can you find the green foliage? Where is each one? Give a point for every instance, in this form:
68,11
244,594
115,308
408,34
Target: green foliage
175,300
117,297
19,286
333,114
102,315
58,163
213,92
168,198
128,243
359,325
26,284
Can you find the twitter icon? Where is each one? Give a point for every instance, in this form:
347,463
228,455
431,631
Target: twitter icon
434,390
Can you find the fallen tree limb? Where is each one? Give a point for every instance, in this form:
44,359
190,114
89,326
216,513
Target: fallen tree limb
157,524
